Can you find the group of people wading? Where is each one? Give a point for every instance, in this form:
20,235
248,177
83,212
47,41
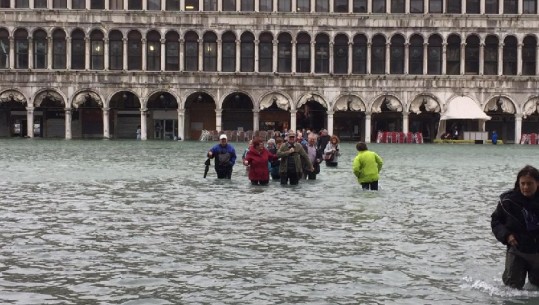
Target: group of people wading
293,158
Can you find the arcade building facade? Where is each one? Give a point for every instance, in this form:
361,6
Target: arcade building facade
100,69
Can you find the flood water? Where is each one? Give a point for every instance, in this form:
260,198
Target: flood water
135,222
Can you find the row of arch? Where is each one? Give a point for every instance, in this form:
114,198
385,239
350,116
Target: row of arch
425,55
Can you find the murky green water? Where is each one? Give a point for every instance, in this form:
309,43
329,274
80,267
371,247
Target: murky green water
130,222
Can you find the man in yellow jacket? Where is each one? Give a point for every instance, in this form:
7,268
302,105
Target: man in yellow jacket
367,166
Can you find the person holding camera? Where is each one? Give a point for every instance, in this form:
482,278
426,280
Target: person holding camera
331,152
293,160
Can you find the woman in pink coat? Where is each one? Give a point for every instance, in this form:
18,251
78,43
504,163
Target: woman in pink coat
257,159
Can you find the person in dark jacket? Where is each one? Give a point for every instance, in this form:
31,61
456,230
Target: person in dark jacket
515,223
315,155
225,157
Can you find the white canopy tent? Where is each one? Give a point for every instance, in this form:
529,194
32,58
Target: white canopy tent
462,108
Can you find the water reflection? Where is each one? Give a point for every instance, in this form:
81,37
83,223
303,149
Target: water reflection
133,222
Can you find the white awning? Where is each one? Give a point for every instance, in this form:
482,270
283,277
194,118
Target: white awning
462,108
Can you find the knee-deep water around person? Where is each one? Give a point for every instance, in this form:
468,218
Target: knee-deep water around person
135,222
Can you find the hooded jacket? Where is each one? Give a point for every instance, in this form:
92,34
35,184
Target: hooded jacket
510,218
258,161
367,166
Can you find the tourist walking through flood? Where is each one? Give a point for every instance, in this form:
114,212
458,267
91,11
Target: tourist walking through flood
225,157
515,223
292,155
257,159
366,167
315,156
273,146
332,152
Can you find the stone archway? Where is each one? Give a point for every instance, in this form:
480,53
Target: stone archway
162,116
386,115
424,116
502,112
349,118
13,118
274,112
87,116
49,115
124,115
199,115
237,112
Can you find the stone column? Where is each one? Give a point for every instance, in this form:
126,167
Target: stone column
163,5
256,120
163,54
257,59
219,55
275,6
331,5
182,5
350,57
330,114
293,67
275,53
126,4
12,52
444,58
200,57
518,127
68,120
106,128
238,54
388,57
126,45
218,119
181,124
482,7
481,59
182,52
68,53
405,122
519,58
143,124
30,54
106,62
462,58
313,51
369,47
293,119
500,58
406,58
367,127
49,52
331,58
144,54
86,53
30,122
425,58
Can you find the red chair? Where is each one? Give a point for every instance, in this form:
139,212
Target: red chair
401,137
409,137
419,138
533,139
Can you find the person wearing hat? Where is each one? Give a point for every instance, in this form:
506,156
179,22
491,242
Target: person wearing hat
225,157
293,160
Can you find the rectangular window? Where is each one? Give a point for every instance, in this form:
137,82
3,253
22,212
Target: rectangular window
453,60
529,6
116,5
191,56
378,63
210,5
6,3
77,54
528,60
22,4
116,56
229,57
4,53
379,7
321,61
97,4
397,6
173,5
191,5
303,6
359,59
434,63
153,56
491,6
454,7
265,5
229,5
303,62
21,53
78,4
134,55
285,58
96,61
134,5
491,60
473,7
416,6
471,65
510,6
415,65
40,54
322,6
435,6
247,57
247,5
172,56
265,52
154,5
210,56
285,5
40,3
359,6
340,63
340,6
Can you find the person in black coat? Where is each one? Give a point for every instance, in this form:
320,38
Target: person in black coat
515,223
